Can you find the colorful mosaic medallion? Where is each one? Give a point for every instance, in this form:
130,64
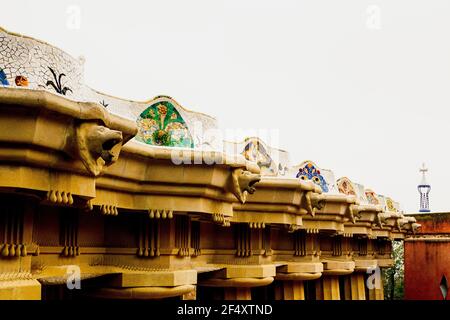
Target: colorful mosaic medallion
345,186
255,151
372,198
162,125
309,171
21,81
390,205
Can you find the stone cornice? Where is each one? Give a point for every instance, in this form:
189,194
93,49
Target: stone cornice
80,166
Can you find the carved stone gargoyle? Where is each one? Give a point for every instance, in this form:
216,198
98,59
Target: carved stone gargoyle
398,225
408,224
243,183
354,211
312,202
380,218
95,145
415,226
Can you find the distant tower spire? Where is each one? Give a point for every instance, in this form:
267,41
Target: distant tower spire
424,189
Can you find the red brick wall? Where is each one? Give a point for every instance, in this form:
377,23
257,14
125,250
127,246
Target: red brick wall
427,261
435,225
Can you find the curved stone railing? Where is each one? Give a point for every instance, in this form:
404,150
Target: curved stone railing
33,64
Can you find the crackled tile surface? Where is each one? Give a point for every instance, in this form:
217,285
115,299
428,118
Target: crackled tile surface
29,63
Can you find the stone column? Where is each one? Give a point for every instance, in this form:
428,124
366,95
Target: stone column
347,288
357,286
319,289
237,280
278,290
290,290
237,293
291,277
376,294
330,288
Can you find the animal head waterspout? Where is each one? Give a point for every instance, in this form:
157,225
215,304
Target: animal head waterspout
97,146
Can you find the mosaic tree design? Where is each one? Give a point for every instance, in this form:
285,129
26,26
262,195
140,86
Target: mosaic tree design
309,171
57,84
162,125
255,151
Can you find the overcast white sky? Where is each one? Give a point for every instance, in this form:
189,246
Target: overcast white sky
360,87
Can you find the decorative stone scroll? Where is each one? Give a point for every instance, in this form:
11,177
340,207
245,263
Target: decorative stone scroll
60,197
160,214
220,218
